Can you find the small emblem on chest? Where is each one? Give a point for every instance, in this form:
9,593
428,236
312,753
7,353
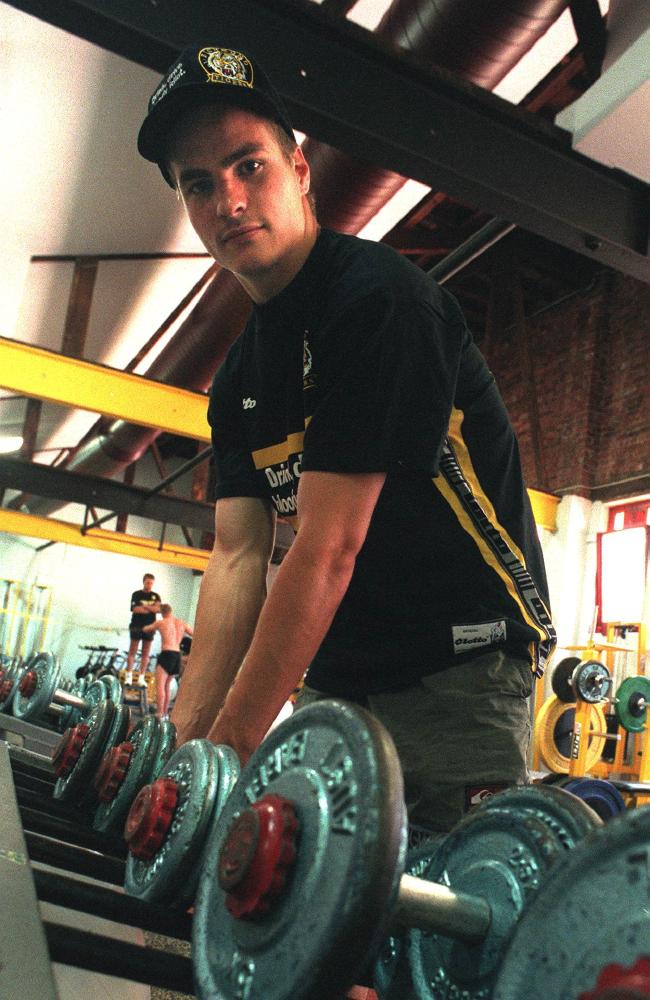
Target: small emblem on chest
248,403
307,377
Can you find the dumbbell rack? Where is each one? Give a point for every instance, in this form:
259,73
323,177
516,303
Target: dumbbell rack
37,830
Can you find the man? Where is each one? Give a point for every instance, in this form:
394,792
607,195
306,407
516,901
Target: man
145,604
356,405
168,665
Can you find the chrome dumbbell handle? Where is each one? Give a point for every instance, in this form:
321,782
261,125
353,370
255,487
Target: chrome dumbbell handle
62,697
434,907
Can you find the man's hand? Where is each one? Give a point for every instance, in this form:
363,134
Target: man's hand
226,732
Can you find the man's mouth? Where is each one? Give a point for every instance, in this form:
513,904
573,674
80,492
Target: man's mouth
240,233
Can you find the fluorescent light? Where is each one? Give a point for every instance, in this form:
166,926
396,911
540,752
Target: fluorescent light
9,444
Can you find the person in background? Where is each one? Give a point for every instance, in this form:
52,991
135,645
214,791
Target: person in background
185,647
172,630
145,605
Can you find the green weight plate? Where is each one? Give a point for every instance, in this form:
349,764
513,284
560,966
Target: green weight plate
74,786
591,682
116,735
503,856
630,704
339,768
391,972
93,695
569,817
205,775
591,911
110,816
47,671
561,679
165,748
113,687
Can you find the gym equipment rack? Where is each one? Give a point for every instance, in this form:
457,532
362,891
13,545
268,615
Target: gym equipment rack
36,829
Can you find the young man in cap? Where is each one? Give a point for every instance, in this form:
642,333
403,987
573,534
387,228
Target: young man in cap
355,405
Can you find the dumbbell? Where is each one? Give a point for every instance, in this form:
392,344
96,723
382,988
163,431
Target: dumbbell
590,918
126,766
405,961
303,875
79,752
171,821
40,691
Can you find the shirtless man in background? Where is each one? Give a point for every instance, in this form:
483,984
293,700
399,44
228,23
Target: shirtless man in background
171,631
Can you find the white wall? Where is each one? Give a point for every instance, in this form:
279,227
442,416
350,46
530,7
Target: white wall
570,554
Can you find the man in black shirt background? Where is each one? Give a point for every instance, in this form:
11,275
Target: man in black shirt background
145,605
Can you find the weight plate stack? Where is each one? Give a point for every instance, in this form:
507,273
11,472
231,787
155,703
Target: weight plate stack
94,694
46,672
165,748
502,855
591,681
561,679
201,776
600,795
144,738
113,687
391,973
117,733
569,818
631,703
74,785
591,911
334,768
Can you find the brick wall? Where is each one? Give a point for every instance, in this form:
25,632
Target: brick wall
591,379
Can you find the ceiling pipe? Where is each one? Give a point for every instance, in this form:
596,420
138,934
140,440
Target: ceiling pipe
478,39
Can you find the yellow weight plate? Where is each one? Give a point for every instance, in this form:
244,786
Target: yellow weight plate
546,733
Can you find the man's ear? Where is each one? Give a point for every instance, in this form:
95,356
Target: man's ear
301,167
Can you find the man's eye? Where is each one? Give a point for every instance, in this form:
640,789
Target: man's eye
250,166
199,187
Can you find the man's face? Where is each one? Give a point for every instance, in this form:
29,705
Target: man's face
147,583
244,197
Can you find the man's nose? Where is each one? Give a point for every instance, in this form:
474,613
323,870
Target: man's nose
231,199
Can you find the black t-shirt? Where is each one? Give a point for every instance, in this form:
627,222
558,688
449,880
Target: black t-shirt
364,364
144,597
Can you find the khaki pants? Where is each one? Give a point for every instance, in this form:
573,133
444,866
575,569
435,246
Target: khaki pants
455,732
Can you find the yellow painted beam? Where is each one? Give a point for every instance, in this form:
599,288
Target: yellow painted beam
14,522
544,509
33,371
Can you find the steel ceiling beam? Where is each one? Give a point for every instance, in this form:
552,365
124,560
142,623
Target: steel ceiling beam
106,494
348,88
43,374
14,522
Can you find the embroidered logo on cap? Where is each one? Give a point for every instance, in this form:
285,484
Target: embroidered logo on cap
226,66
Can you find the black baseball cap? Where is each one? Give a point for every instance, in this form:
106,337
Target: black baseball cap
204,74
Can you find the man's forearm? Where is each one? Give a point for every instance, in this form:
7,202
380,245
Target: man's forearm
229,605
292,625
